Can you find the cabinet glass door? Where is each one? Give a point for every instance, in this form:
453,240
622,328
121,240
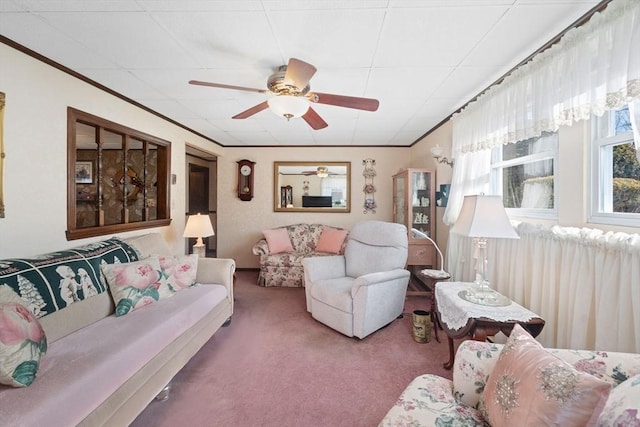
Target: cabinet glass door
400,204
420,204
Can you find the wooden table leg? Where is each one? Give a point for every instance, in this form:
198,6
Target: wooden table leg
449,364
434,317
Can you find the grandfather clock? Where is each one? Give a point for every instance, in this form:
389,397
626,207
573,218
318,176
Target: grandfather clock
245,179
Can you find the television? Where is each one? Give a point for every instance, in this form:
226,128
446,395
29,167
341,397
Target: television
316,201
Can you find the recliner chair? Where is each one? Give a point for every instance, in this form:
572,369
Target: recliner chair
363,290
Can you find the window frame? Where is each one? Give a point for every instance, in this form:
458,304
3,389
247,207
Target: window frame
600,171
498,165
73,232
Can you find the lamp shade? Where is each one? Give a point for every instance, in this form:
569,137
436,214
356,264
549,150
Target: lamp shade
198,226
484,216
288,106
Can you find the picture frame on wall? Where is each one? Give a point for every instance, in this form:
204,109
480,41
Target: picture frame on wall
84,172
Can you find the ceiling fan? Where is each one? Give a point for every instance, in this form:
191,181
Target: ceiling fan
290,85
321,172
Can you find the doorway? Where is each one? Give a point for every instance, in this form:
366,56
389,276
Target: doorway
201,193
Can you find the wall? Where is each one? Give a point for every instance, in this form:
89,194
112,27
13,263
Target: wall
421,157
35,138
211,241
240,224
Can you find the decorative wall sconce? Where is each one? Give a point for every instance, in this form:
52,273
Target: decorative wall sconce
369,188
436,152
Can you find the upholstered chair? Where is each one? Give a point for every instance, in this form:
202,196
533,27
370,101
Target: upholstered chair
363,290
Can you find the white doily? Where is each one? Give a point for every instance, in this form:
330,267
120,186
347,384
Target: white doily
456,312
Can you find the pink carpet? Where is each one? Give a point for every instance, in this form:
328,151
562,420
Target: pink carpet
276,366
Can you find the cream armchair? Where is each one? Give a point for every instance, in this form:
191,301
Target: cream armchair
363,290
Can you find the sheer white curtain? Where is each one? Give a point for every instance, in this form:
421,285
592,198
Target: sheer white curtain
593,68
583,282
634,116
471,175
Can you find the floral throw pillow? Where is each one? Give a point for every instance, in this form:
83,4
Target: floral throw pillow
23,343
135,284
623,405
179,272
531,387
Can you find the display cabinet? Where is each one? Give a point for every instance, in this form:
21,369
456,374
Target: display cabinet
414,206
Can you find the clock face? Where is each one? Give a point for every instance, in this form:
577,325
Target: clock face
245,170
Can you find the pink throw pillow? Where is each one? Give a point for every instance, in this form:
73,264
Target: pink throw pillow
278,240
23,343
531,387
179,271
331,240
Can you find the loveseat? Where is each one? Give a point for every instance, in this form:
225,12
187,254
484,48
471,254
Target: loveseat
101,368
601,387
282,249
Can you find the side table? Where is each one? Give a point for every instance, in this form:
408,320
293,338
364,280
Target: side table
430,278
464,319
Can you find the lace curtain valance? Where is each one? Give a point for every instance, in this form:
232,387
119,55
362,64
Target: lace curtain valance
594,68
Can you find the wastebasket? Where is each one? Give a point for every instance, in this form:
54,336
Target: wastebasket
421,326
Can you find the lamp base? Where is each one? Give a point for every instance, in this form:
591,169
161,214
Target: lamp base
199,250
484,295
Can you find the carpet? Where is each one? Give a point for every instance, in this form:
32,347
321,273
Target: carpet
277,366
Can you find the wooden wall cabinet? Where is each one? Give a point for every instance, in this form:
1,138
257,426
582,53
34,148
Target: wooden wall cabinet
414,206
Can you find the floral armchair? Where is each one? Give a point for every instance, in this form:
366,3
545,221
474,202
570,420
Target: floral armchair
430,400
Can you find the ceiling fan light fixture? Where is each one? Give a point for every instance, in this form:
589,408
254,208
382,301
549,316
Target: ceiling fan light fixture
322,172
288,106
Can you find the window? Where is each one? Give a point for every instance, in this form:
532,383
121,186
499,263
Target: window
523,173
615,171
118,178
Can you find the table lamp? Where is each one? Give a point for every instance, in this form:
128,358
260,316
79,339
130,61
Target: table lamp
483,217
198,226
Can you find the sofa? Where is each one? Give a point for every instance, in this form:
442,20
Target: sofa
101,368
282,249
431,400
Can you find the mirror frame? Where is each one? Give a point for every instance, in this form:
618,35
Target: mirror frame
314,165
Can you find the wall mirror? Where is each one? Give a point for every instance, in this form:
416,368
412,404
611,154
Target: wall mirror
312,187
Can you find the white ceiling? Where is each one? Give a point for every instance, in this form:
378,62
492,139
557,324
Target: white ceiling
423,59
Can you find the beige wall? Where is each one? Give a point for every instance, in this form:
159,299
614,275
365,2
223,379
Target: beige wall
421,157
35,139
240,224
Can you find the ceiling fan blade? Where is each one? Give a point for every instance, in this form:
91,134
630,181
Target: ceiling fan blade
314,120
248,89
251,111
298,73
367,104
